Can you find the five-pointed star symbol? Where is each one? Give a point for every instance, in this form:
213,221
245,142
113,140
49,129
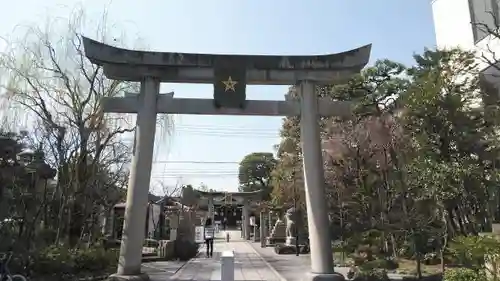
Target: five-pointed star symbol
229,83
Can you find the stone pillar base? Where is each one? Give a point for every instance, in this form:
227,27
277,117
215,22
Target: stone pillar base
324,277
138,277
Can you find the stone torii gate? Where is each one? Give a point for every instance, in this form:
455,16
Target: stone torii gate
229,74
243,197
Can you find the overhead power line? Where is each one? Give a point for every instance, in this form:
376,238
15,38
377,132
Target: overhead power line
227,128
194,162
193,176
248,134
229,131
195,172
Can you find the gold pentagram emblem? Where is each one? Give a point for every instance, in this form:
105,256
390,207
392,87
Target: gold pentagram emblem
230,84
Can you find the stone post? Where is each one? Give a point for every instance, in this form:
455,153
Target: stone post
270,222
242,222
148,219
174,225
263,231
129,265
211,209
113,223
317,218
256,233
246,221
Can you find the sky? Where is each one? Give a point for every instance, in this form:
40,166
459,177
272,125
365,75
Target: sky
207,149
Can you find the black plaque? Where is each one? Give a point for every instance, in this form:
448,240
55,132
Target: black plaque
229,83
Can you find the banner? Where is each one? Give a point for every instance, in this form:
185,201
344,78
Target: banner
198,234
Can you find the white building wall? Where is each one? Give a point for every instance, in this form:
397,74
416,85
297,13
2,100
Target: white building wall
452,24
453,28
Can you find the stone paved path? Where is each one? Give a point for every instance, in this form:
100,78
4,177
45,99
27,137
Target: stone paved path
249,265
290,267
162,270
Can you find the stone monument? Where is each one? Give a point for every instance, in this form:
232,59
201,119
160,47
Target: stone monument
278,233
293,226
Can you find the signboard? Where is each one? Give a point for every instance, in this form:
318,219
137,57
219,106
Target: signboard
173,234
252,220
198,234
229,85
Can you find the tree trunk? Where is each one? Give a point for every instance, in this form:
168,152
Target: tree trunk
419,266
60,215
393,245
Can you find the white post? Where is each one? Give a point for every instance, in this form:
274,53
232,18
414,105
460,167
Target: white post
317,218
227,266
138,185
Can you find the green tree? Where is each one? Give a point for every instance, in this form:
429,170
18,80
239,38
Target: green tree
255,172
445,112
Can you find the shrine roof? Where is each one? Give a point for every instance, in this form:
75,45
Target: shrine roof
235,194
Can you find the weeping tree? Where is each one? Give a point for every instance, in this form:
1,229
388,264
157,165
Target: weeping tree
47,75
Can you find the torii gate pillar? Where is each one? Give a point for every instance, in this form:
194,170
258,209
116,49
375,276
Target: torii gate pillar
317,219
129,263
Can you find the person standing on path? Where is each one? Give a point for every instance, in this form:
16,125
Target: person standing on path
209,234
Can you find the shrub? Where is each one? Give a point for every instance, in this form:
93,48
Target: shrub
431,259
463,274
358,259
111,243
371,275
389,264
471,250
353,271
60,261
305,249
368,251
406,250
434,277
185,249
284,249
95,260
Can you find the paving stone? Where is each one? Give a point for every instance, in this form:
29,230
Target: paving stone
249,265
